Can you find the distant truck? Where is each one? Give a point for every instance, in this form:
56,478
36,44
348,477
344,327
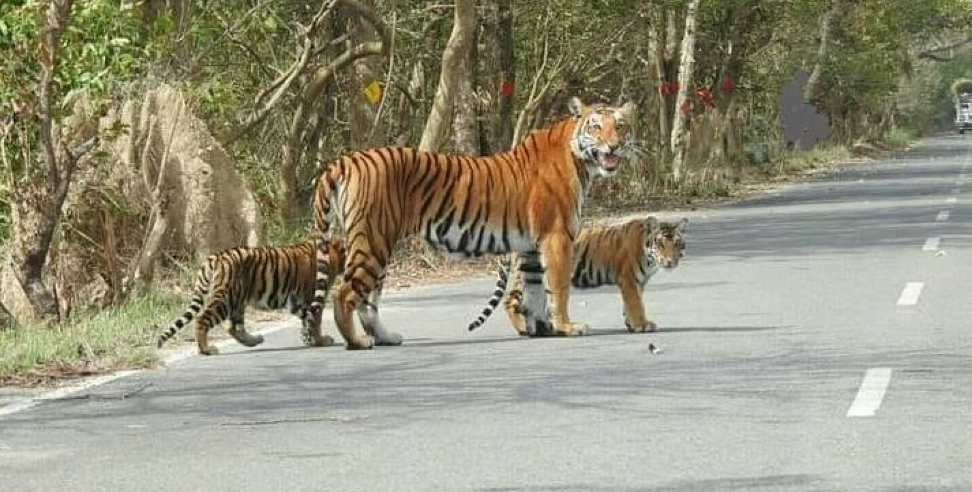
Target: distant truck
962,94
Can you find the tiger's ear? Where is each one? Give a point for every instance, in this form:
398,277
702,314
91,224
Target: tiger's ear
576,107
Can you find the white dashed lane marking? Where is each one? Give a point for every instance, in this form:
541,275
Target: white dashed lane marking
951,199
871,393
942,216
931,244
910,294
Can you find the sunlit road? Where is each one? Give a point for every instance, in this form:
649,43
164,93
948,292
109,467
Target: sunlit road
818,338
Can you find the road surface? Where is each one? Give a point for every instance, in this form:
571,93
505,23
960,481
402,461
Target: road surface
815,338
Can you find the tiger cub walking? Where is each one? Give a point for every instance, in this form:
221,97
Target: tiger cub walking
626,255
264,277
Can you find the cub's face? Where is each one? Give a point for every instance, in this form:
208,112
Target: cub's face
664,241
602,135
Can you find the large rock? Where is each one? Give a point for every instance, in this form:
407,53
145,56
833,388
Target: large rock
209,208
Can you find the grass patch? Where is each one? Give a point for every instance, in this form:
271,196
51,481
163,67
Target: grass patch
900,137
114,338
805,160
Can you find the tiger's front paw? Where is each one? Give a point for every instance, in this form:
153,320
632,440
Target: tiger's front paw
209,351
646,327
361,343
311,339
570,329
322,341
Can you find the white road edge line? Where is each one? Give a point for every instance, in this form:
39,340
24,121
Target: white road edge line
932,244
72,389
871,392
910,293
951,199
942,216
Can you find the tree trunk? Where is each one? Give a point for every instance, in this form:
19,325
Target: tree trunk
500,75
36,214
361,111
294,149
39,194
663,47
682,111
440,117
465,126
827,24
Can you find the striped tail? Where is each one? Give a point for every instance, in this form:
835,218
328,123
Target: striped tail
326,187
502,277
199,293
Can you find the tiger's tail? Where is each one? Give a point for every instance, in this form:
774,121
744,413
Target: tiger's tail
199,293
325,190
502,277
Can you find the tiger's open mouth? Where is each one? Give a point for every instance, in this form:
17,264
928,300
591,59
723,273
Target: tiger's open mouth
608,161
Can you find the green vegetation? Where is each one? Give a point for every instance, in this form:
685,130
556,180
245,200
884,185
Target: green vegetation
901,137
281,86
102,340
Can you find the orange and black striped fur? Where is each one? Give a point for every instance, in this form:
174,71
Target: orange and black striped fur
626,255
264,277
527,200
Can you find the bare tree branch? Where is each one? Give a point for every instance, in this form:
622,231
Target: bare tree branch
57,16
311,95
388,75
268,99
932,53
827,24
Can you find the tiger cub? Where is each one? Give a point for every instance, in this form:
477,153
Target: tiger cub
264,277
626,255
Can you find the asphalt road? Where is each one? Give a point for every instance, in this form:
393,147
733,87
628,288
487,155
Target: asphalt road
781,306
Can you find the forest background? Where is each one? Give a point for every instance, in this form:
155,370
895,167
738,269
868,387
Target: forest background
136,136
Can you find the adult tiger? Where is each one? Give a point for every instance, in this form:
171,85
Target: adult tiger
527,201
266,277
626,255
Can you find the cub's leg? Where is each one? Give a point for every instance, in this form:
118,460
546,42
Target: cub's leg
214,314
310,332
514,310
634,310
556,253
238,331
532,310
368,315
